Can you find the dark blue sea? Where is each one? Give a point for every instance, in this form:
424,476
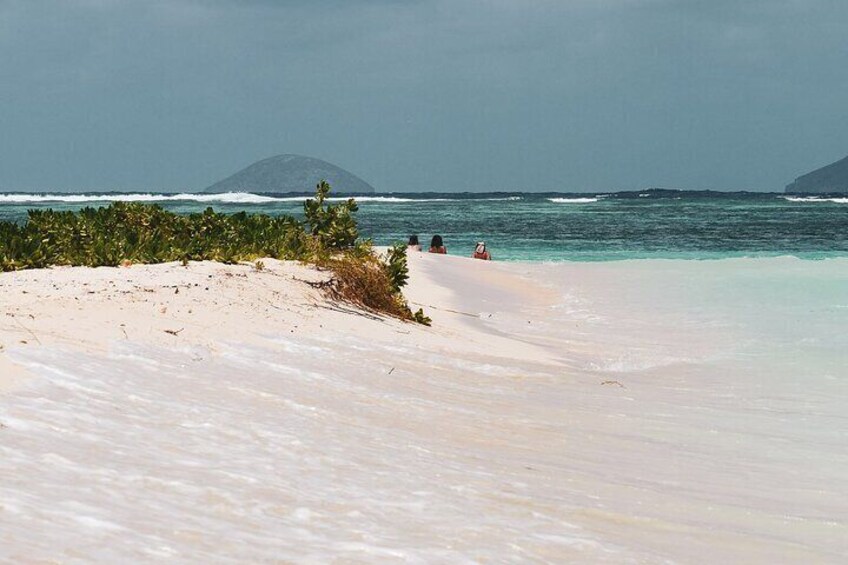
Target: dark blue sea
550,227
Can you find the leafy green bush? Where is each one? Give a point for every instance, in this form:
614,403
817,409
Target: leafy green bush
145,233
333,225
396,267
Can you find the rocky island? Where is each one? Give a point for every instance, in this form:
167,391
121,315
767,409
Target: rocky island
832,178
291,173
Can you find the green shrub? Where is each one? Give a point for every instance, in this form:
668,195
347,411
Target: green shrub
421,318
333,225
396,266
145,233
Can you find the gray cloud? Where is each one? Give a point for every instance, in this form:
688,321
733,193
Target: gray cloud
418,95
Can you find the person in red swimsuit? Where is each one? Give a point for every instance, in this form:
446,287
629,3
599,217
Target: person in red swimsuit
480,252
437,245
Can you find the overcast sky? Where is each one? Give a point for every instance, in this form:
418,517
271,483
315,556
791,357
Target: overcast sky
567,95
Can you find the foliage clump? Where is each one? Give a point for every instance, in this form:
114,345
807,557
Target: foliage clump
396,267
130,233
145,233
373,282
420,317
333,226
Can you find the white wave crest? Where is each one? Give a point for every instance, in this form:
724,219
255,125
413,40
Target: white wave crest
572,200
814,199
390,199
226,198
230,197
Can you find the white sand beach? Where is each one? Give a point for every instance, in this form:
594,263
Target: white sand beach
635,411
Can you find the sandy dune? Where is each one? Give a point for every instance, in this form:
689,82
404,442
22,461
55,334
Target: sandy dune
205,303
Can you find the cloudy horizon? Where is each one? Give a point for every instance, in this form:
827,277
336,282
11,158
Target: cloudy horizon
423,95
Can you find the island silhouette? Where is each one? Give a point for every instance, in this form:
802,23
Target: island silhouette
291,173
829,179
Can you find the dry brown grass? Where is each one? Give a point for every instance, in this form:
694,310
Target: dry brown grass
364,282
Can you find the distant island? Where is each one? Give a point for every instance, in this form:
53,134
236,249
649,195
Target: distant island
830,179
291,173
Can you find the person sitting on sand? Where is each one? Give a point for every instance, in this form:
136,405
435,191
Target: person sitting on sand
437,245
413,244
480,252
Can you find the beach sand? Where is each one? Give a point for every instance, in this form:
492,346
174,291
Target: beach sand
552,413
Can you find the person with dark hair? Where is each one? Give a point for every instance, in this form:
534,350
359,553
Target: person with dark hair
480,252
413,244
437,245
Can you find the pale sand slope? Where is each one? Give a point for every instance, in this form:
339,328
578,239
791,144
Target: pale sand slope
584,419
206,303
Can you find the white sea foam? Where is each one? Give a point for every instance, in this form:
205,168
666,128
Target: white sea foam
226,198
229,197
390,199
573,200
812,199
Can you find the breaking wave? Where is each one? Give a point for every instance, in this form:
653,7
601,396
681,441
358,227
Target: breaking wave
230,197
572,200
809,199
225,198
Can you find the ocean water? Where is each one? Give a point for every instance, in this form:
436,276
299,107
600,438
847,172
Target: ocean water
552,227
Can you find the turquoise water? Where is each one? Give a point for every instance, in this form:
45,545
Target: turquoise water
555,227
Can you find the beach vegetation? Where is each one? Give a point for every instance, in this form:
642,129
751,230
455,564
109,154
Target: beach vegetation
420,317
372,282
127,233
396,266
333,226
365,282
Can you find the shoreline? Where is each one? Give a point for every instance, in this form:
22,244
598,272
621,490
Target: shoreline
593,412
